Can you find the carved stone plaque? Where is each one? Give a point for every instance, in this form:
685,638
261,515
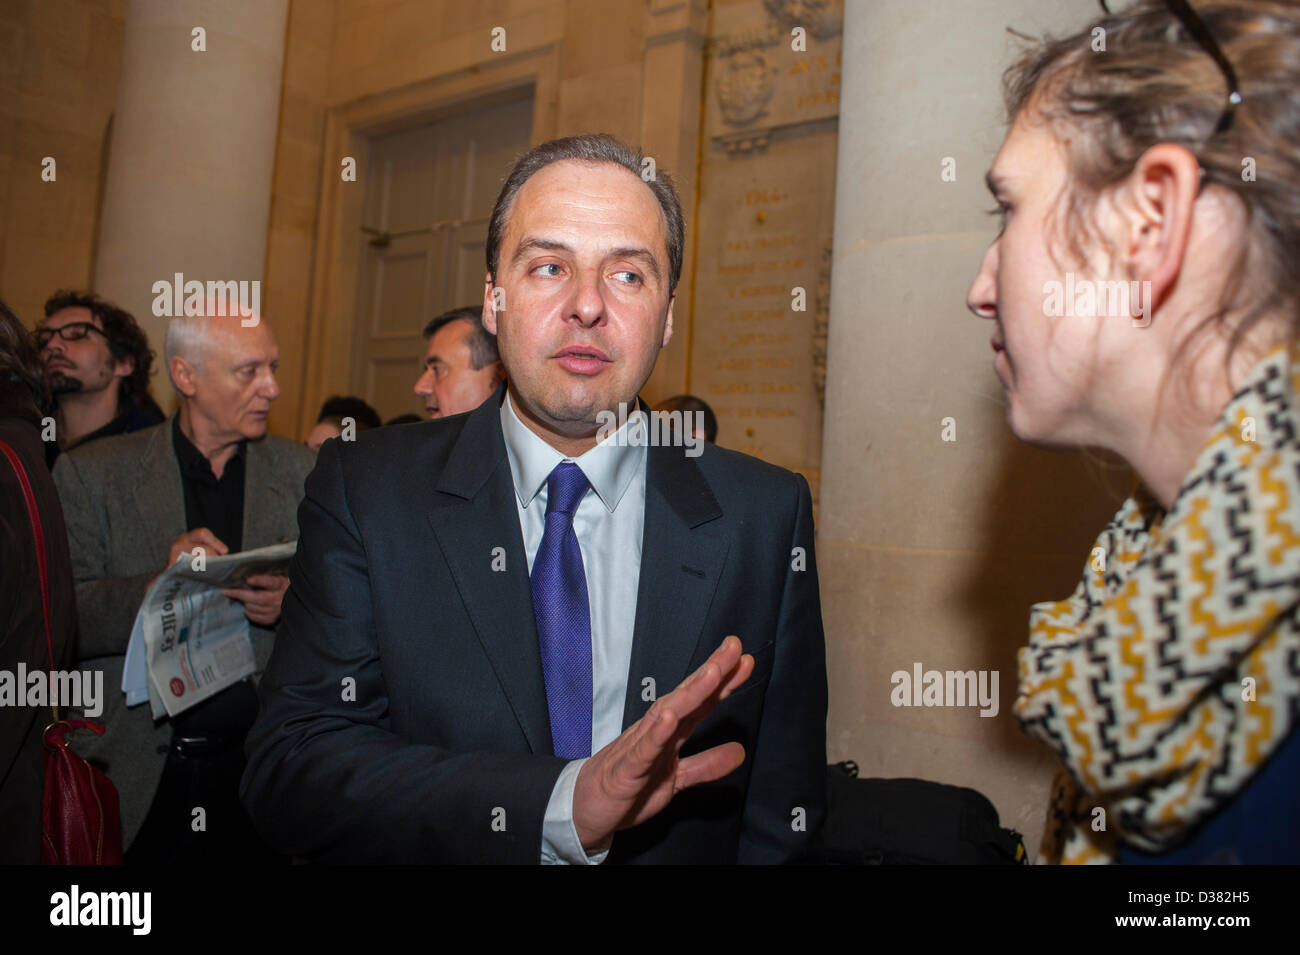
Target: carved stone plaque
767,197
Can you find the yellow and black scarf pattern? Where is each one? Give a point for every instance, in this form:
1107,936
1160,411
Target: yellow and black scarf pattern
1173,671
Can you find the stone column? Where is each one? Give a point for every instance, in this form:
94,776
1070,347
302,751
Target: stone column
931,550
192,153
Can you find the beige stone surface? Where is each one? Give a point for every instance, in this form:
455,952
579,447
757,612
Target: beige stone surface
295,196
188,188
59,63
766,204
672,81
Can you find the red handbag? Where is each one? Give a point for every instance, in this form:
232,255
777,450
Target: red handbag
80,820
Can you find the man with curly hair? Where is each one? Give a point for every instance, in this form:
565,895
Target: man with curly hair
97,363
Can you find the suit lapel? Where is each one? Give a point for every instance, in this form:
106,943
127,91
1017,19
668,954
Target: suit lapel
264,496
681,563
476,523
159,497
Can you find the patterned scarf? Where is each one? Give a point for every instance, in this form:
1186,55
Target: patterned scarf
1173,671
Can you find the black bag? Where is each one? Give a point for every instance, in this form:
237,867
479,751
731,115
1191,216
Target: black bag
911,822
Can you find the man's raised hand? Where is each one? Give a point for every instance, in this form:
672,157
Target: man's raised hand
634,777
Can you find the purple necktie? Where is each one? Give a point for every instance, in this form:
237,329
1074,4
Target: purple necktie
563,616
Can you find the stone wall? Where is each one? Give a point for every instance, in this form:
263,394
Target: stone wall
59,65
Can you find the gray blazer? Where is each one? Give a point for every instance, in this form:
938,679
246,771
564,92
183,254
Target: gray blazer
124,506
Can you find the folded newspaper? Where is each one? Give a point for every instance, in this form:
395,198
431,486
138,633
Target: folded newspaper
190,641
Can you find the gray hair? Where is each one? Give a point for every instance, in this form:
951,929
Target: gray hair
186,338
188,335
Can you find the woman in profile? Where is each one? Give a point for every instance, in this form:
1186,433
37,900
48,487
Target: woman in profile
1145,293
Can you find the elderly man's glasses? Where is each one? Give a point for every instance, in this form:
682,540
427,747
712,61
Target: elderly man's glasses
71,332
1190,19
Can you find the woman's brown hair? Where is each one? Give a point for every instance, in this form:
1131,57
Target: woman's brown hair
22,383
1152,82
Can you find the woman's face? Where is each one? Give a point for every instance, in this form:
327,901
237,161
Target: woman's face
1061,370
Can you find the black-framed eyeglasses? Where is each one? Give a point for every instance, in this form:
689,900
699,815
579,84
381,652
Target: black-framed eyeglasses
1190,19
71,332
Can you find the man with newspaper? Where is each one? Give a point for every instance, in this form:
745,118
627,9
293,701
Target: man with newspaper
206,483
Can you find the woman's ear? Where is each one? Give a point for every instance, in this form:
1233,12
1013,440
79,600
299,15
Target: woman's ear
1155,206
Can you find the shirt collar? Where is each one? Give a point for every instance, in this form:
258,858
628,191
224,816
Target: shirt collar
609,466
191,458
117,426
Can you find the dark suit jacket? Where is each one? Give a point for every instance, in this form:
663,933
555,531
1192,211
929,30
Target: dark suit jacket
393,592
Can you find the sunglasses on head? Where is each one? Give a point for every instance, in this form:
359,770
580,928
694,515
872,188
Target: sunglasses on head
1190,19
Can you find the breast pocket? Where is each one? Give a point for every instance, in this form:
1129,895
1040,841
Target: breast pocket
763,656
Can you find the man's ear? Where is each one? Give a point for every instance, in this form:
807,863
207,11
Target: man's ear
1155,205
124,367
668,325
182,374
489,305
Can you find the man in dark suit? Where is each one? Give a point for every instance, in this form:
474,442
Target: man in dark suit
486,612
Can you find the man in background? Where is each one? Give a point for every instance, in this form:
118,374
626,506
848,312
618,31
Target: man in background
461,363
209,477
97,364
337,413
702,422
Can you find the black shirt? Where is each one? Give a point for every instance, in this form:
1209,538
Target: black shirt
218,505
134,418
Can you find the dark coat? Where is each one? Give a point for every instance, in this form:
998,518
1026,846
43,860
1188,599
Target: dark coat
22,628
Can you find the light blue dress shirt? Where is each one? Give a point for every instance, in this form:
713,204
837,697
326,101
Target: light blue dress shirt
609,524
